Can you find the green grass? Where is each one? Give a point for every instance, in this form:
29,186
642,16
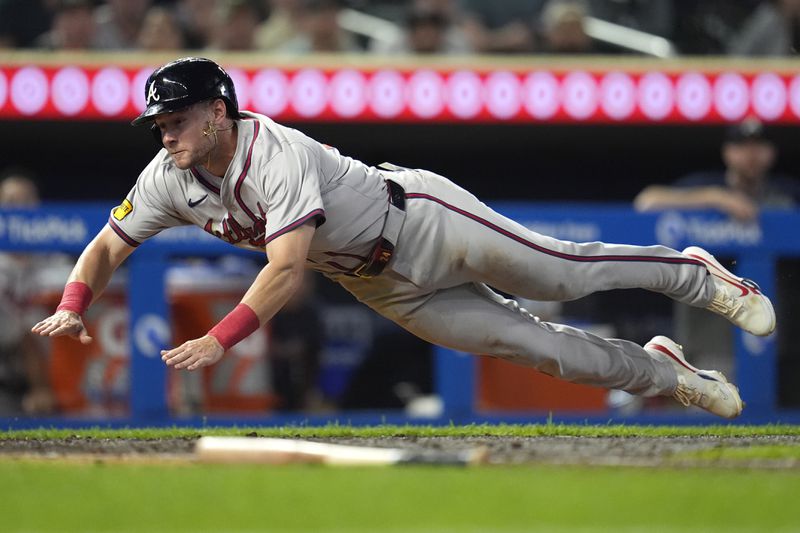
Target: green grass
500,430
46,497
737,453
51,496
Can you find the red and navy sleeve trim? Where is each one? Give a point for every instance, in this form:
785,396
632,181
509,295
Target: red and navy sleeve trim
121,234
316,213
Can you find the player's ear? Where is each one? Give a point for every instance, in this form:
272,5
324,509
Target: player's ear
219,109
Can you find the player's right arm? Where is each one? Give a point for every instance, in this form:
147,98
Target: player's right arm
88,279
148,209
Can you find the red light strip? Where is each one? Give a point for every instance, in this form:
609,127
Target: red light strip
576,96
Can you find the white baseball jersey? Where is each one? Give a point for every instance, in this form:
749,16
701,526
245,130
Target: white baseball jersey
278,180
448,247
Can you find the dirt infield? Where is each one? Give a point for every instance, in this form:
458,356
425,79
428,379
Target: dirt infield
598,451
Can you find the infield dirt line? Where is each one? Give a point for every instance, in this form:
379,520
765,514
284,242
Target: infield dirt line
184,459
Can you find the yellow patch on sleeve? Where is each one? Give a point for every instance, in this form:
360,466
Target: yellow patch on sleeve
121,211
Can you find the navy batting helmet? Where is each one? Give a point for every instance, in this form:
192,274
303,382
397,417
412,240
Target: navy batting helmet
184,82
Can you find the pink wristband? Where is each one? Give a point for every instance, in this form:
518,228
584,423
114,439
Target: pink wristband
77,297
236,325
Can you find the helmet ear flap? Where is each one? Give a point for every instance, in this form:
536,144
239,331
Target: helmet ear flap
156,135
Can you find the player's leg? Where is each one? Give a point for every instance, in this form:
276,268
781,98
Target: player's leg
474,319
516,260
450,238
464,240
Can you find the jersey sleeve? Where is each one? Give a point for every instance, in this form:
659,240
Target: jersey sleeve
293,192
148,208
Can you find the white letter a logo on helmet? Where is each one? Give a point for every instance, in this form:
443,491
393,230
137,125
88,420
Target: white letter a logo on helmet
151,93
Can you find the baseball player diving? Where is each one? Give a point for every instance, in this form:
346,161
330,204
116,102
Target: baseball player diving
408,243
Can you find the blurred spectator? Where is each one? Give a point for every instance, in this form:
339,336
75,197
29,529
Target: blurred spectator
24,380
296,337
118,23
500,27
707,27
17,189
427,32
196,17
23,21
430,28
281,24
235,25
656,17
562,28
745,185
161,31
318,22
772,30
73,27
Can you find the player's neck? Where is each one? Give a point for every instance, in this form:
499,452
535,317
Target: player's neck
220,157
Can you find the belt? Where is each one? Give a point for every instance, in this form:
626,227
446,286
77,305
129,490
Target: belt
384,249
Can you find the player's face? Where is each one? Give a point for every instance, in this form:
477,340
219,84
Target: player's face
182,136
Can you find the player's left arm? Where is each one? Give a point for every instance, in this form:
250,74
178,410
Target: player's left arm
270,291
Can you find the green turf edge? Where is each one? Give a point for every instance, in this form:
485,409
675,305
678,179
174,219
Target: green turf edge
769,452
475,430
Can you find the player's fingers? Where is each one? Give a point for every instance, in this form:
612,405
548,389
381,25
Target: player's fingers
47,327
200,362
178,356
197,364
62,329
166,354
40,326
189,361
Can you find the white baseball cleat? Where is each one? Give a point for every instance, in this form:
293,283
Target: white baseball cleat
707,389
737,299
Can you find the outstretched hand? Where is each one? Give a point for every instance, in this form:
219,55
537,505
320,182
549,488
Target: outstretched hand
194,354
63,323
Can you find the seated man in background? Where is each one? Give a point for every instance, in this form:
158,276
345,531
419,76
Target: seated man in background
740,190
